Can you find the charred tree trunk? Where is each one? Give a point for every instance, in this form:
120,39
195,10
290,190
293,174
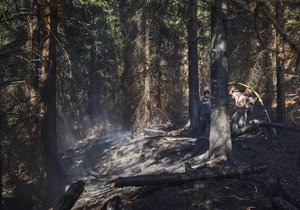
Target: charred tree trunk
193,65
3,126
147,83
1,178
128,31
280,110
219,139
143,111
158,69
268,37
189,176
94,107
2,123
48,99
69,198
33,49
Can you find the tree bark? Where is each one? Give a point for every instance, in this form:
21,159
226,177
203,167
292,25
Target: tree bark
47,82
158,68
189,176
280,110
193,65
94,107
128,32
69,198
147,62
219,139
33,45
1,186
268,36
143,111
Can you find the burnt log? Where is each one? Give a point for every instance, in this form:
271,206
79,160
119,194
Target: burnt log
154,132
69,198
189,176
275,125
255,124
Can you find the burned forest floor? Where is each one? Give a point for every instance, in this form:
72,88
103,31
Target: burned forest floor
100,160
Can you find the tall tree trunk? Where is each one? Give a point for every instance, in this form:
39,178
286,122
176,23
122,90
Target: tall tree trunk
33,49
220,138
158,69
2,123
281,112
94,107
128,32
193,65
4,126
48,100
1,179
147,84
143,111
268,64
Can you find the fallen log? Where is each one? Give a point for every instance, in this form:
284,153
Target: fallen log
255,124
187,139
276,125
69,198
189,176
154,131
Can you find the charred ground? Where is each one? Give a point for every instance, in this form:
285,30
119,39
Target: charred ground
152,152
